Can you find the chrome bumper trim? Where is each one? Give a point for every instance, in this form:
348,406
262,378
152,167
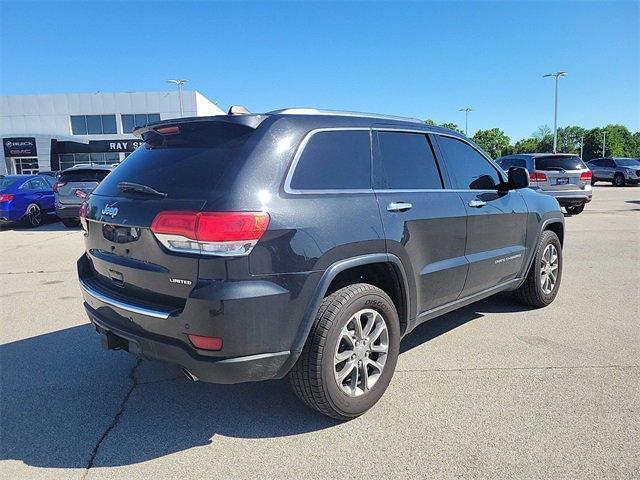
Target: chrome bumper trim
122,305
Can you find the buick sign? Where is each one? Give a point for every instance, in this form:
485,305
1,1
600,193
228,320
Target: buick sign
20,147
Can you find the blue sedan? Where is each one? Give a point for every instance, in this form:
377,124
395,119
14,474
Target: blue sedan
26,198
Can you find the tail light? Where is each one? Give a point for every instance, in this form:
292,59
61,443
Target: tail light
206,343
210,233
537,177
58,185
586,176
5,197
82,213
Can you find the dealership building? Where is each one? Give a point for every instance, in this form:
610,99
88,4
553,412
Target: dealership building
54,132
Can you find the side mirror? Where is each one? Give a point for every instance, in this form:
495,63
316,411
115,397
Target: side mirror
518,178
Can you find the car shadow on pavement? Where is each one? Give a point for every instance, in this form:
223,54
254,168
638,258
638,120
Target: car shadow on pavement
68,403
500,303
61,392
50,224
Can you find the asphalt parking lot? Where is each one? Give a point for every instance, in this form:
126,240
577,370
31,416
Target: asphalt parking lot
492,391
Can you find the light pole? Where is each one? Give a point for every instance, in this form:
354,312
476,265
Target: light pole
557,75
581,146
466,118
179,83
604,141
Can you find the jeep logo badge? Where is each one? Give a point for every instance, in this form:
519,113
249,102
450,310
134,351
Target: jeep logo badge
109,211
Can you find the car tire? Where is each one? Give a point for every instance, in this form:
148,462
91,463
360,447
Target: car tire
334,334
575,209
70,222
618,180
537,290
32,216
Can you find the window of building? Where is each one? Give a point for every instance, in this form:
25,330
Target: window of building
93,124
109,124
129,122
469,169
334,160
68,160
78,124
405,161
26,166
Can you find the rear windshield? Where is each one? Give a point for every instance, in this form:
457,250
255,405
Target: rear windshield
559,163
187,165
6,182
84,176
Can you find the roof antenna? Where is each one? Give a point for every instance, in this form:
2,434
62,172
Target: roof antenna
238,110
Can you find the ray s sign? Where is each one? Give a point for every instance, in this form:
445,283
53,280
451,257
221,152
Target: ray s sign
114,145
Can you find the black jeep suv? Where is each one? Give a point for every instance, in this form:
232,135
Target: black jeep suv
306,243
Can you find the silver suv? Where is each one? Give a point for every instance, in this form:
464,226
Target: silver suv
73,187
617,170
561,175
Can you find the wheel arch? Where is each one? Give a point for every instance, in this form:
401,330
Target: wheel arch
32,202
556,227
337,275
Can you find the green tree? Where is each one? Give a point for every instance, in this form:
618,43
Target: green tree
570,139
544,135
452,126
542,132
493,141
636,145
527,145
592,144
428,121
620,142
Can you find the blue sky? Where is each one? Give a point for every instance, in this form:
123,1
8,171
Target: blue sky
425,60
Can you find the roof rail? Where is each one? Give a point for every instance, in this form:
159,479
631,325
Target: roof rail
315,111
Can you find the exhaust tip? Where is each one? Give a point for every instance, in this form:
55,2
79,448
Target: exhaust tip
189,375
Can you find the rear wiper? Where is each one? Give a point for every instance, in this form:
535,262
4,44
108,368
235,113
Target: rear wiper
139,188
559,169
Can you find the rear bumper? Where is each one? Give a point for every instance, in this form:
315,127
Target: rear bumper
250,368
570,197
68,211
9,213
256,320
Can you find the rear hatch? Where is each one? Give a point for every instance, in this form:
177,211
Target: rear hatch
179,171
74,185
561,172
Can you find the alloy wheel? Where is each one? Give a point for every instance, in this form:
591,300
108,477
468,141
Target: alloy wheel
549,268
34,215
361,352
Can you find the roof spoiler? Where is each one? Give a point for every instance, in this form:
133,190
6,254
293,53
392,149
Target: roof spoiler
251,121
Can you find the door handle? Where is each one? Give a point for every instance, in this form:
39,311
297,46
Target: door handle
398,207
477,203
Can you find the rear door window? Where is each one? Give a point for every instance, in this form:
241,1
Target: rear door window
469,169
187,165
405,161
39,184
507,163
334,160
559,163
6,182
